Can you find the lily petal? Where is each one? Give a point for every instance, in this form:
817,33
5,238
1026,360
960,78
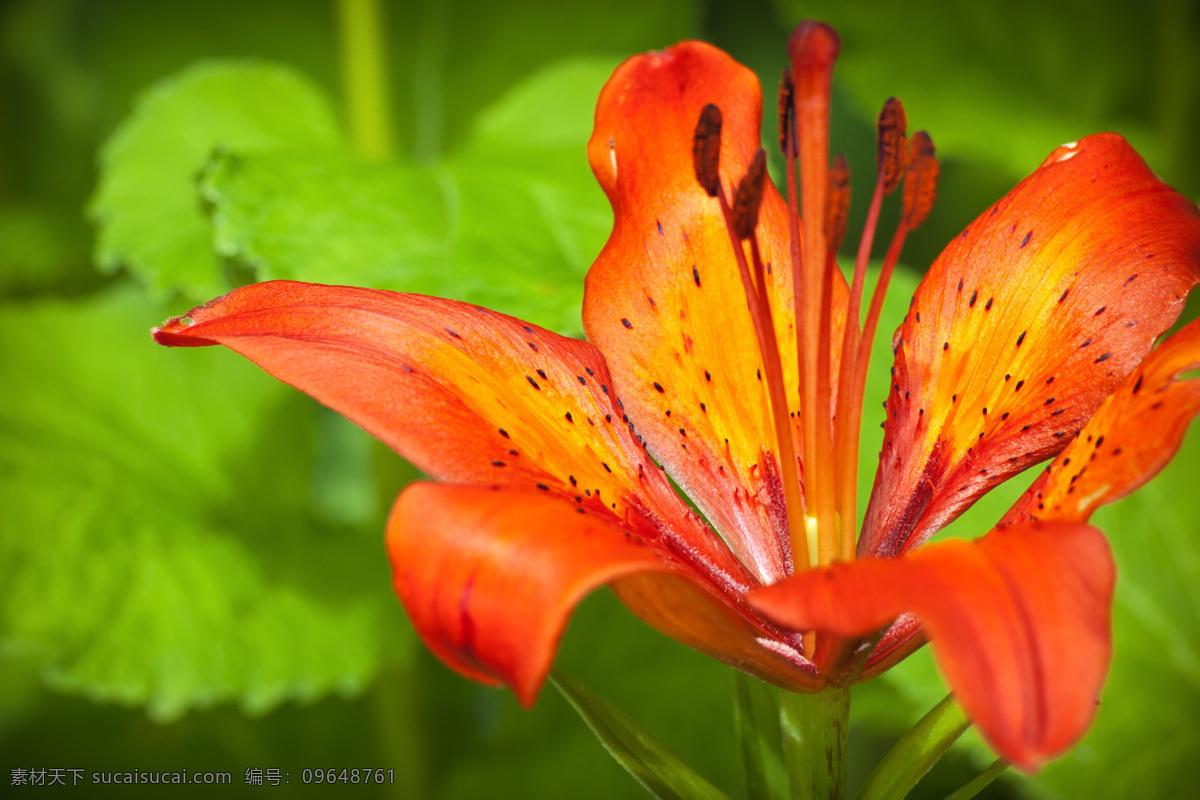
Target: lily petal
1022,327
665,303
490,577
1125,444
467,395
1019,619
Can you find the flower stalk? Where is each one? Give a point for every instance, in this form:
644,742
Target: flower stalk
816,741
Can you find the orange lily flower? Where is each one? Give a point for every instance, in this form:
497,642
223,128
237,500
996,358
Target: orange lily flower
548,449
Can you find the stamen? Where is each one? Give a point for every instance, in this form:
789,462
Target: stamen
740,221
706,149
920,191
891,142
813,48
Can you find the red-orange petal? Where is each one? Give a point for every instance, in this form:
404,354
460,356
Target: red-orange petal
1022,327
665,303
490,577
1128,440
467,395
1019,620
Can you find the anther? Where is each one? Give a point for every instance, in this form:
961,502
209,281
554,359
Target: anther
787,113
891,144
706,149
920,185
837,204
748,197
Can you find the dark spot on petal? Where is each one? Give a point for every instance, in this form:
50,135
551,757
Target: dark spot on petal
988,305
582,380
960,284
1048,402
532,346
1064,295
452,333
541,373
707,376
1104,357
533,383
971,302
1028,236
1100,310
1086,342
588,370
1050,379
945,345
1021,338
543,487
607,468
503,432
626,323
695,274
604,388
1007,377
528,329
569,418
499,464
1138,385
1017,388
660,227
1004,415
658,387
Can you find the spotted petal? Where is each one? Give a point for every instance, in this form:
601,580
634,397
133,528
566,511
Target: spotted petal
1020,623
1133,436
466,394
665,303
1022,327
490,576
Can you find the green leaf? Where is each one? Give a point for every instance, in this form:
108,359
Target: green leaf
161,545
511,222
760,739
648,760
146,205
916,752
1002,84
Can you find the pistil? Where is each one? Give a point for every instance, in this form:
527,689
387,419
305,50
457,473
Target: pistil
813,48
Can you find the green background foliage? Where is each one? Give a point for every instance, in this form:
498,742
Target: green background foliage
191,567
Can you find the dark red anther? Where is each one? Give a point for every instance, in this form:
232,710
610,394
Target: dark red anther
748,197
706,150
920,183
787,113
837,204
891,144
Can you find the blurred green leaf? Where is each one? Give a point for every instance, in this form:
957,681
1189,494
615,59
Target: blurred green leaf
760,737
159,544
648,760
999,83
509,222
146,205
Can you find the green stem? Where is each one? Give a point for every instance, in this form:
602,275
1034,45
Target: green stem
977,785
364,78
916,752
816,739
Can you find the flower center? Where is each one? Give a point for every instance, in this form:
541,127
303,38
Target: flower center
820,483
